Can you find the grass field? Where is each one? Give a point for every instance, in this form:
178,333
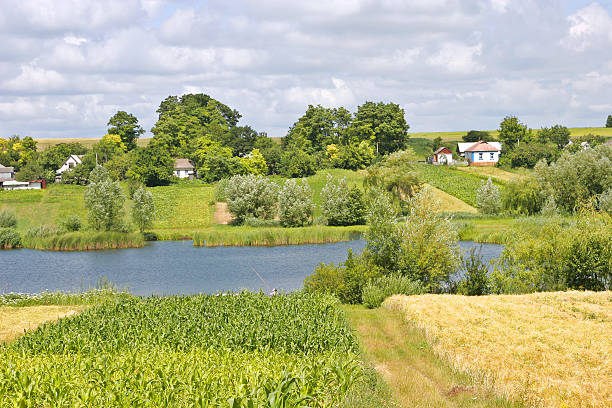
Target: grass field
546,349
456,136
13,321
494,172
450,203
42,144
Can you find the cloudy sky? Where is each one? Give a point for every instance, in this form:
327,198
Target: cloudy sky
67,65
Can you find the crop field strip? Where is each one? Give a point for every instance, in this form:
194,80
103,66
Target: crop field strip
186,351
547,349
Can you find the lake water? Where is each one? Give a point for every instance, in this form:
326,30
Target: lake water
176,267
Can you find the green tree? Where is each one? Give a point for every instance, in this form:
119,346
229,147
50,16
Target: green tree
396,175
476,135
126,126
104,200
242,140
387,124
609,121
558,135
342,205
143,209
272,153
152,166
512,132
436,143
251,196
255,163
488,198
54,156
527,155
296,163
320,126
295,204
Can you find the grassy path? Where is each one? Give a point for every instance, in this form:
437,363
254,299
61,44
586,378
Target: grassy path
14,320
416,376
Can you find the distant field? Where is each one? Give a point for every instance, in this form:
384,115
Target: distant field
547,349
43,144
456,136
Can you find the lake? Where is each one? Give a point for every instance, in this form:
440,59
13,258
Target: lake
177,267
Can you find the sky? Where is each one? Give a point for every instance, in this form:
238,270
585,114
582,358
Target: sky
66,66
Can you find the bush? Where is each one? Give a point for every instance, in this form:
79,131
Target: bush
251,196
295,203
475,280
342,205
605,201
104,199
523,196
220,192
549,209
488,198
72,223
150,236
9,238
297,163
8,219
375,292
260,222
143,209
132,186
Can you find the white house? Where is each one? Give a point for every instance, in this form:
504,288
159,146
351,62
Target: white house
442,156
184,168
6,173
480,153
70,163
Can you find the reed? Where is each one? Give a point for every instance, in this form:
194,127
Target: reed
85,241
276,236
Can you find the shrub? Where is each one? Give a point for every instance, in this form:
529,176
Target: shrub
9,238
143,210
475,280
605,201
295,203
260,222
488,197
549,209
8,219
220,192
297,163
523,196
72,223
251,196
375,292
104,199
150,236
132,186
342,205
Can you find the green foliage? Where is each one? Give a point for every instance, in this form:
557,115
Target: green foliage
476,135
576,178
523,196
475,280
255,163
512,132
16,152
384,123
220,191
251,196
395,174
8,219
605,201
132,186
609,121
342,205
101,293
295,205
272,153
152,166
126,126
320,127
376,291
549,208
557,135
436,143
488,198
72,223
104,200
9,238
352,156
53,157
346,281
296,163
143,209
84,241
527,155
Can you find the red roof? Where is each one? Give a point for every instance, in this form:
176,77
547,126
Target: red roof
482,147
442,149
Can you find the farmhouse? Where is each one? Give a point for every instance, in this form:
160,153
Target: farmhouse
480,153
184,168
442,156
6,173
70,163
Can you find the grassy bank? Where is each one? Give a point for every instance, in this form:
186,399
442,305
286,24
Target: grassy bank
196,351
246,236
546,349
85,241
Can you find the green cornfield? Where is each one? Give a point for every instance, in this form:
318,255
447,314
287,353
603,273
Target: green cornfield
233,350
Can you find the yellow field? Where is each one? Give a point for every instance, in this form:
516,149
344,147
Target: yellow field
547,349
456,136
42,144
450,203
493,172
14,320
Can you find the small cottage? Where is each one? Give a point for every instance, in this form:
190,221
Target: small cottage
480,153
184,168
442,156
70,163
6,173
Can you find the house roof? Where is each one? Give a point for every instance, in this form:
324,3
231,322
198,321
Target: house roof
6,169
462,147
183,164
482,147
443,149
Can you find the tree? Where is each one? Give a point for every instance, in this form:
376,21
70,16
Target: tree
342,205
396,175
54,156
295,205
242,140
476,135
152,166
272,153
387,125
529,154
251,196
511,132
436,143
297,163
609,121
143,210
126,126
488,198
558,135
255,163
320,126
104,199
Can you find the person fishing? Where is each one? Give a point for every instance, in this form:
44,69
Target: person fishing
274,292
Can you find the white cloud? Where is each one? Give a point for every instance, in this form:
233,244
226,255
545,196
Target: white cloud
590,27
458,58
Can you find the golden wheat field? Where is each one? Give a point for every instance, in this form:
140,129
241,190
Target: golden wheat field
547,349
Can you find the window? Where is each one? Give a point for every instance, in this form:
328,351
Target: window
492,157
479,156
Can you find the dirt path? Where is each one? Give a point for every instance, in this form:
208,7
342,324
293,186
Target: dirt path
416,376
14,320
222,214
